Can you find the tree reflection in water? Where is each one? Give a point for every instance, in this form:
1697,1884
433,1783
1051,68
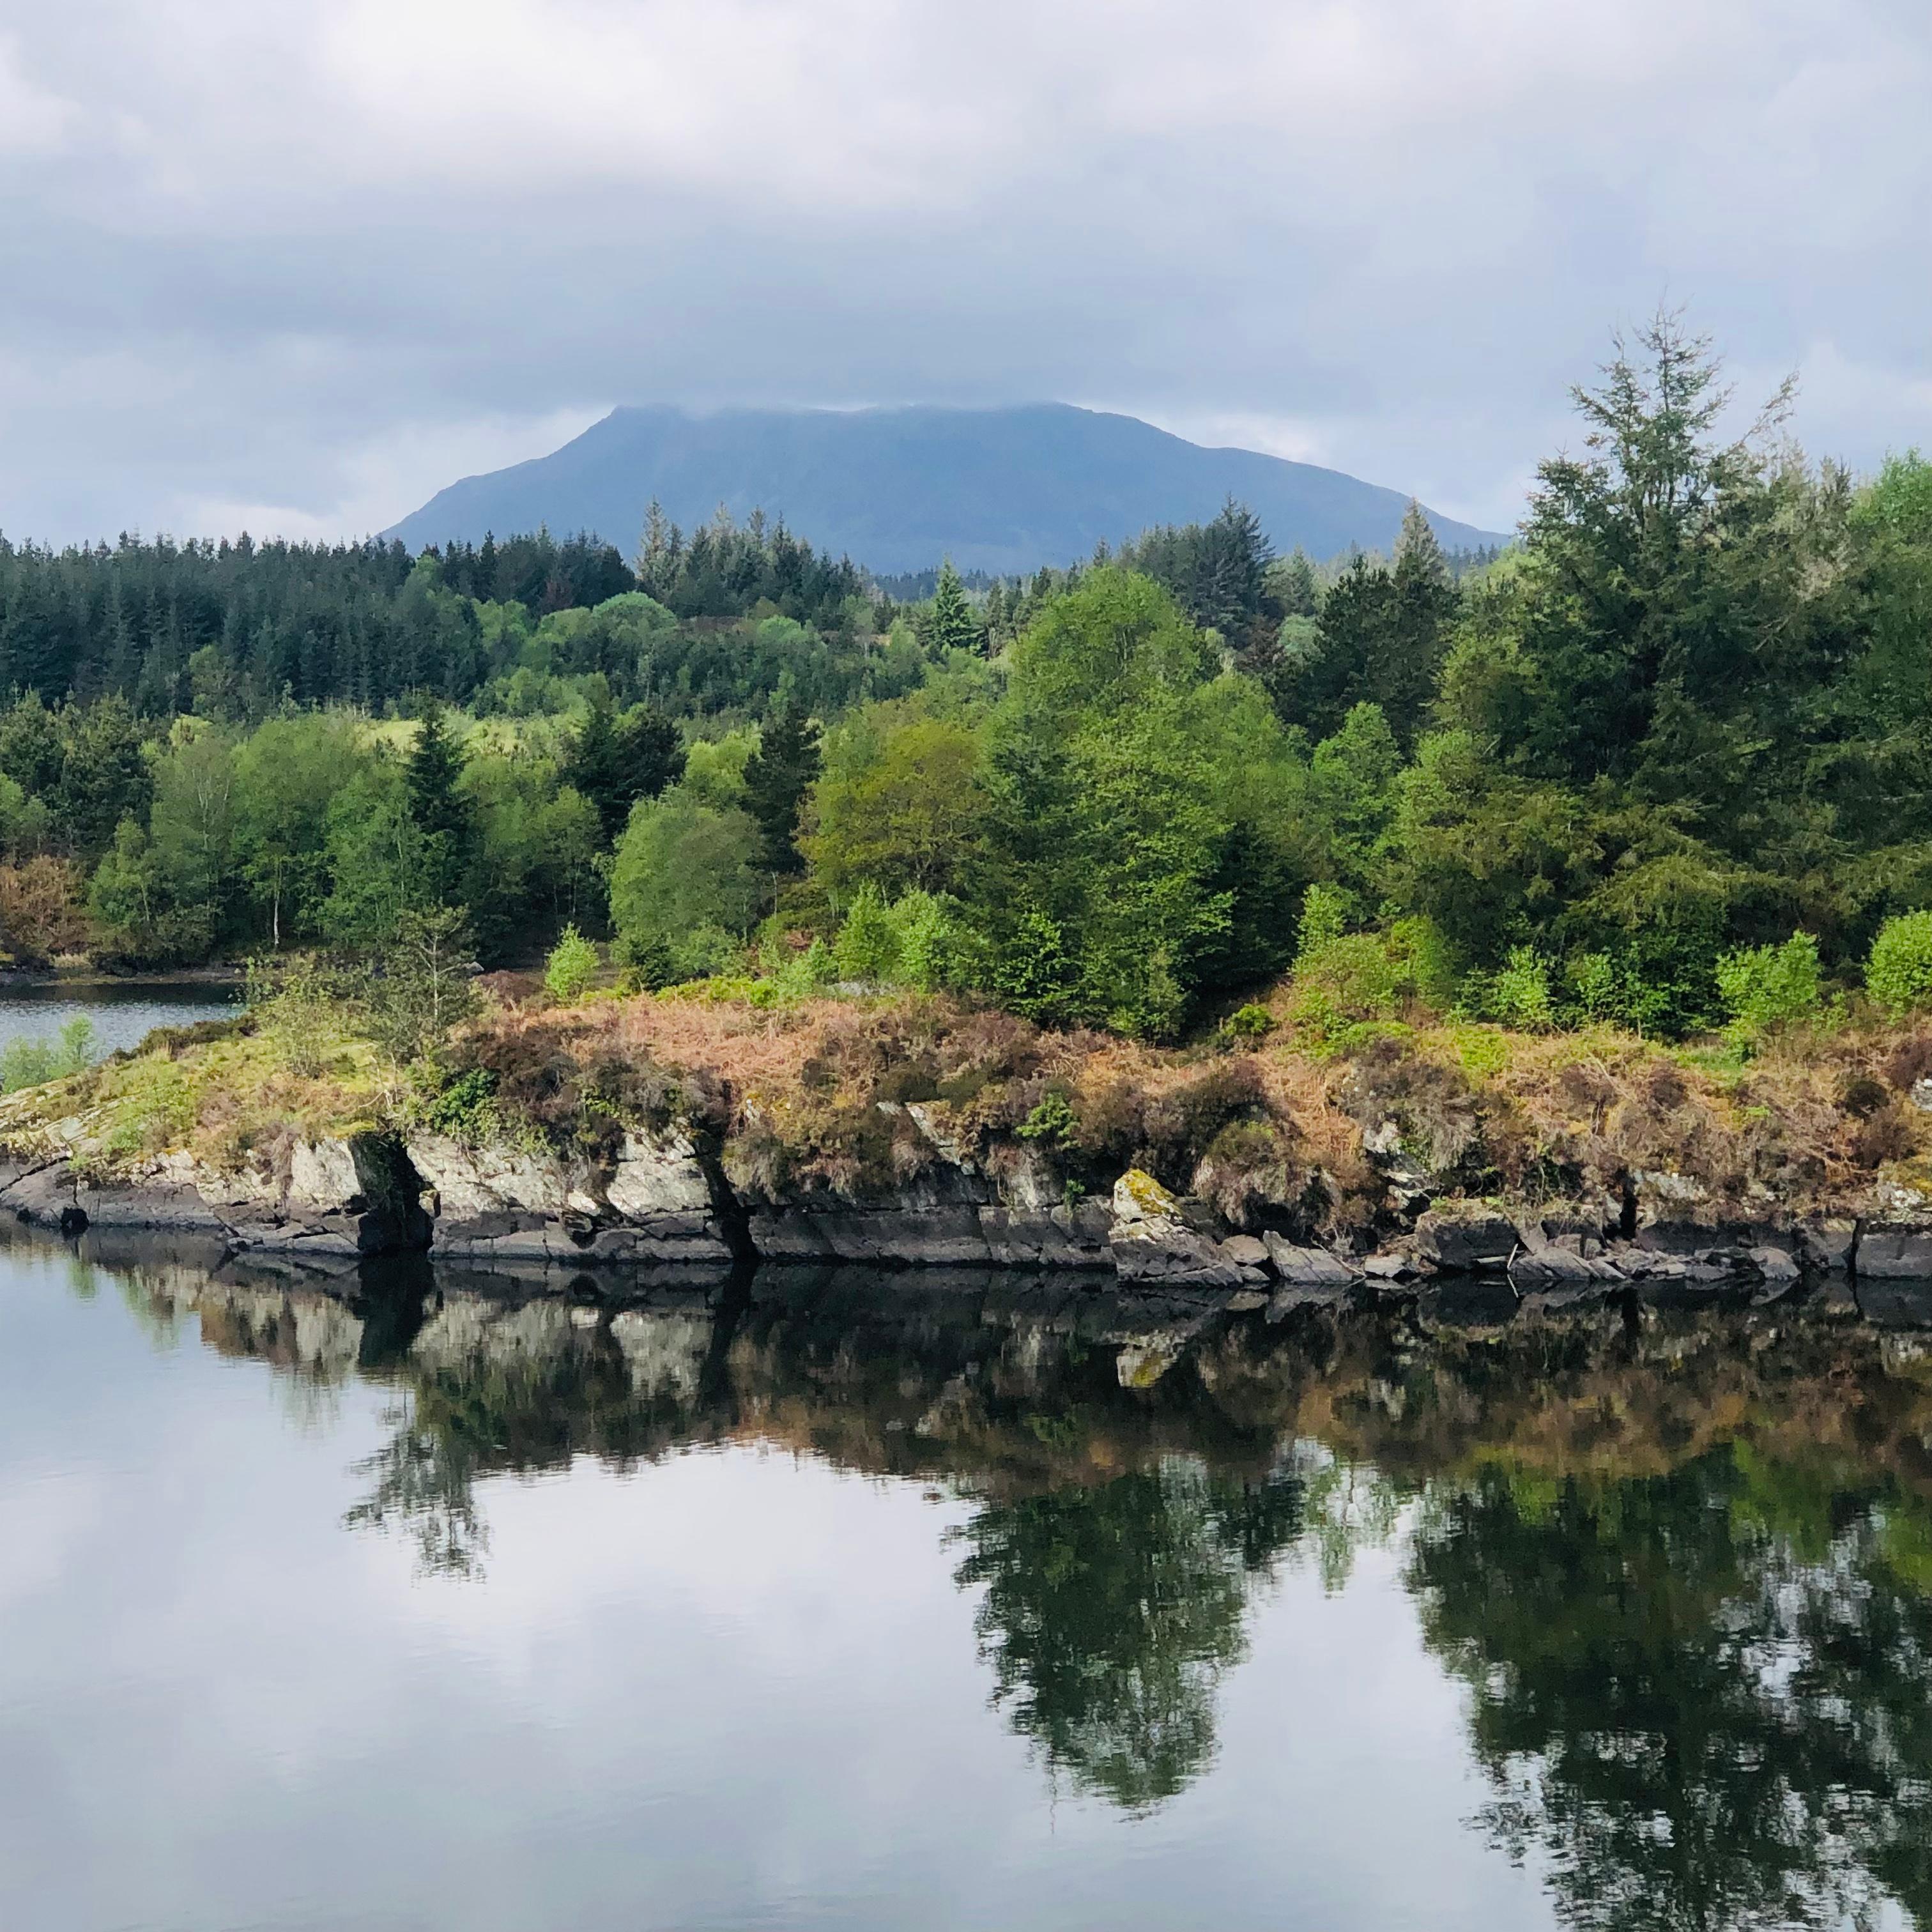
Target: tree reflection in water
1702,1696
1685,1569
1111,1612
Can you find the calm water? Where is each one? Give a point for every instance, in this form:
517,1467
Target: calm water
120,1014
845,1602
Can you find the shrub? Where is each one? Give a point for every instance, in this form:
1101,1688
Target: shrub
868,947
1052,1120
296,1011
934,948
571,968
1034,972
1898,974
1249,1024
1324,916
647,964
1518,995
466,1110
1594,985
1765,987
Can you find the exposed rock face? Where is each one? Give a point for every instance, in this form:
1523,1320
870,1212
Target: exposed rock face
1894,1253
1152,1241
1466,1237
655,1203
351,1196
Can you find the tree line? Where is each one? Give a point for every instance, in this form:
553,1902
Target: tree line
1685,720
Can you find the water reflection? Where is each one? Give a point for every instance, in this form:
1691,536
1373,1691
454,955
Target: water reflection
1702,1696
1110,1613
1681,1564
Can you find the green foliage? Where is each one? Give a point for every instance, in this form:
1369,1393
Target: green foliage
1250,1025
297,1009
1051,1121
1518,995
868,947
901,808
1034,972
615,759
950,624
685,875
1766,987
1898,973
572,964
466,1109
777,777
420,986
1325,910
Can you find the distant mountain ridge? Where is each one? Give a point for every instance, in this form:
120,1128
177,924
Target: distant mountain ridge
1002,490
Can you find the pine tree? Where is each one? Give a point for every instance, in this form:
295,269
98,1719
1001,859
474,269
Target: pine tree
1416,549
441,811
950,624
615,760
777,777
1294,584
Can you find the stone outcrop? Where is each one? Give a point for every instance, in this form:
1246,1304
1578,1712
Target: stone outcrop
506,1206
1152,1240
656,1202
351,1196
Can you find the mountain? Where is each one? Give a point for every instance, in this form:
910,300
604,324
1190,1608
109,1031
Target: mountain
998,489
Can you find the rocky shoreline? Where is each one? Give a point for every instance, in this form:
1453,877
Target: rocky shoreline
669,1199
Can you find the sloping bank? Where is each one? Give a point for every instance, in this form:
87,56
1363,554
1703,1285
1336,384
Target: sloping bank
917,1133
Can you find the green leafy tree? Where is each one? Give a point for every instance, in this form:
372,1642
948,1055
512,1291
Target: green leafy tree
686,877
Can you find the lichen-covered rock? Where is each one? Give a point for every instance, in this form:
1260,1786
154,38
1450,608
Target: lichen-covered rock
1151,1240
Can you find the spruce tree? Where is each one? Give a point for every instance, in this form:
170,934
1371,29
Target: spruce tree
439,809
950,624
615,760
777,776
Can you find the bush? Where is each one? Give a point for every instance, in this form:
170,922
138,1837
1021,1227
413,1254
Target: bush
1898,974
1324,916
1518,995
1053,1120
297,1012
1765,987
571,968
1033,973
1249,1024
868,947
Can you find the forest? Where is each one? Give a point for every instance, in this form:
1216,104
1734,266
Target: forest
1665,762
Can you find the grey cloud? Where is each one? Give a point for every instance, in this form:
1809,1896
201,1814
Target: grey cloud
305,262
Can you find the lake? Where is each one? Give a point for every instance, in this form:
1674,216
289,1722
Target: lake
121,1013
839,1599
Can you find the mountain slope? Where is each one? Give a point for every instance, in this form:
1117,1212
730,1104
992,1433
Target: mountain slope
998,489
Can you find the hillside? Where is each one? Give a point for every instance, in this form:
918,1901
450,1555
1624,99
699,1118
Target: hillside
1003,490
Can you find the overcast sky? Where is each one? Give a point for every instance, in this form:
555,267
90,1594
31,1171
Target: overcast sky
292,266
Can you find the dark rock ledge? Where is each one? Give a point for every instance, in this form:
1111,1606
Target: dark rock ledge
668,1199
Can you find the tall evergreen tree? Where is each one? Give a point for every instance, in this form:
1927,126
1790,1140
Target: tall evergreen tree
440,810
950,624
777,777
615,760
